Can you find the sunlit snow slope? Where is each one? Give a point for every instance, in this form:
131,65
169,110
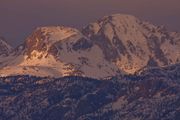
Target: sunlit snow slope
134,44
113,45
58,51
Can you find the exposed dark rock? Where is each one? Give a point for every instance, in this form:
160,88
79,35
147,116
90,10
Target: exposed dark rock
152,62
82,44
154,46
37,41
109,51
5,48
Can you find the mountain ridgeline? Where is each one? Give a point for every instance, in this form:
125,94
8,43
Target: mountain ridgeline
113,45
133,44
116,68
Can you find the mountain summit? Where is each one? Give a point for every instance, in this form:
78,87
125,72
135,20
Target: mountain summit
133,44
45,39
59,51
113,45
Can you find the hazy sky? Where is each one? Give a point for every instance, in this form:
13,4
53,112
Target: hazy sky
18,18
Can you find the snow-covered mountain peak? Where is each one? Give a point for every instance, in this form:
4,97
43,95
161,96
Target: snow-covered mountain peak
121,18
114,44
108,23
60,31
43,38
132,43
57,52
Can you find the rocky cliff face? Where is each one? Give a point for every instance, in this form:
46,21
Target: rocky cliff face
5,48
133,44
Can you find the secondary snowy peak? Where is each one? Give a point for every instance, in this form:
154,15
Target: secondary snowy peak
43,38
5,48
60,51
133,44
